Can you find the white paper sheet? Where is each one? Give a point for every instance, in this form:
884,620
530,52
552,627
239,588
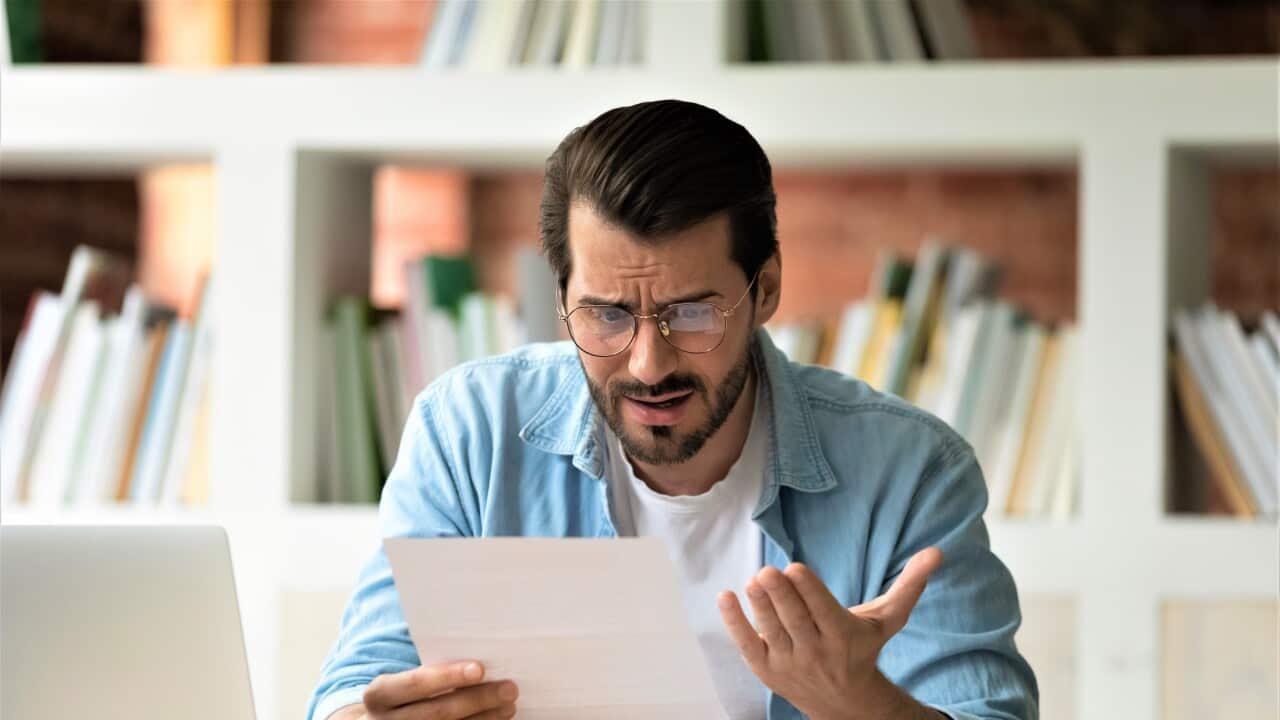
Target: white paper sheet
587,628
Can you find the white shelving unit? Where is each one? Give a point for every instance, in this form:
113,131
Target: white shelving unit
294,147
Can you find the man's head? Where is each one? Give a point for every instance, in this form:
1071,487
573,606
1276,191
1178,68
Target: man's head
644,207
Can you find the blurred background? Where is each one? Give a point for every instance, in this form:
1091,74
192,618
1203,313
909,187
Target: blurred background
237,236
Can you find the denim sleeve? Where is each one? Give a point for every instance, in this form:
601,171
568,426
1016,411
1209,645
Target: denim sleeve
957,652
420,500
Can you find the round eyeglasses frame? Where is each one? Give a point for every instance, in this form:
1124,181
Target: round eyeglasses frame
662,329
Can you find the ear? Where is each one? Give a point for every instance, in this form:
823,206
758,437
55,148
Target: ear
768,289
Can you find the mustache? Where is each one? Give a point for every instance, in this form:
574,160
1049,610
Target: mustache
669,384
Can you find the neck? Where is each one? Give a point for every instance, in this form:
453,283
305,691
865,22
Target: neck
711,464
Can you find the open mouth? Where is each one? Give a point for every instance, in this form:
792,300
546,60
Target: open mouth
663,402
660,410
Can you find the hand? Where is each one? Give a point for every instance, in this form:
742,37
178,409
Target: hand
811,650
451,691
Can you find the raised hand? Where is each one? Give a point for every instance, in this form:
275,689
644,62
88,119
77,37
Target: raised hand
816,653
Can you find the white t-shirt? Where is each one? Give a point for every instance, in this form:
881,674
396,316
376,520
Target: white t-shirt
714,546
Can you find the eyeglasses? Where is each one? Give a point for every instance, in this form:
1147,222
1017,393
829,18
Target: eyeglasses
691,327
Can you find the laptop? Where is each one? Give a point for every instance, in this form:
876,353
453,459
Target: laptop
120,622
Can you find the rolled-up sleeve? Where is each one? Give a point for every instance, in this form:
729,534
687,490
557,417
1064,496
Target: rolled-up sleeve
421,499
957,651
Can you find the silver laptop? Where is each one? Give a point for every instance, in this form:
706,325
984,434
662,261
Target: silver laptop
120,622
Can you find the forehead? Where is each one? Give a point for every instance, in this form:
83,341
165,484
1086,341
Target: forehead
603,255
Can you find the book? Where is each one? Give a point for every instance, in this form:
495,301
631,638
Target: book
92,275
814,23
124,367
74,390
385,396
884,328
359,476
443,33
898,30
1252,375
24,31
852,336
1011,427
187,402
538,297
38,343
1056,443
389,333
156,344
492,34
920,310
521,33
946,26
965,331
453,31
157,432
1241,413
990,389
613,25
1020,489
1191,347
780,28
1065,487
448,279
330,464
1208,439
548,32
581,38
632,34
1265,356
1270,327
860,31
799,342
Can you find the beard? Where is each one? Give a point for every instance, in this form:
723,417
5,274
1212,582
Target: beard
663,444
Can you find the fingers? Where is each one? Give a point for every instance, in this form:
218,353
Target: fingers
893,608
498,713
768,624
392,691
789,606
827,612
463,703
740,631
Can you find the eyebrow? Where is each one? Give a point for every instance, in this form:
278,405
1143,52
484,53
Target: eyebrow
689,297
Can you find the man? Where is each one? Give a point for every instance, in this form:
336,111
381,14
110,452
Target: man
672,414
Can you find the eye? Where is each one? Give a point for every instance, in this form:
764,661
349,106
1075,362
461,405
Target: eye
609,315
693,317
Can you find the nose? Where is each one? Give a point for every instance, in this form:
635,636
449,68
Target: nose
651,357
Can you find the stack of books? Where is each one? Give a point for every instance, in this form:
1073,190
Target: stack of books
372,363
936,334
853,31
106,399
503,33
1227,388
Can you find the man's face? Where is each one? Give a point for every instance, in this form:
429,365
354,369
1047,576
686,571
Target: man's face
662,403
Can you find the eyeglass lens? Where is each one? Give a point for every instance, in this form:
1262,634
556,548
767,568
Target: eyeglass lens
691,327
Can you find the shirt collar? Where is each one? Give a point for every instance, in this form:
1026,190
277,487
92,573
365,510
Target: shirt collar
567,425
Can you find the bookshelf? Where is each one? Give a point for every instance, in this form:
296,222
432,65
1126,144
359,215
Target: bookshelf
294,148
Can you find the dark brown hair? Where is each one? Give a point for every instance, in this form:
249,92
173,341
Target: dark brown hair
657,168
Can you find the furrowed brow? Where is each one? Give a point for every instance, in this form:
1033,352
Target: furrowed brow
631,307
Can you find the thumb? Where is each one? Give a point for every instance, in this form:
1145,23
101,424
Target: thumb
891,610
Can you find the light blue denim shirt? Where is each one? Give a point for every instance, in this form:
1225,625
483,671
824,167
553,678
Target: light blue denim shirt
856,483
